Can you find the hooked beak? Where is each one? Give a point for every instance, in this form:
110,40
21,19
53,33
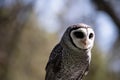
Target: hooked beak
85,42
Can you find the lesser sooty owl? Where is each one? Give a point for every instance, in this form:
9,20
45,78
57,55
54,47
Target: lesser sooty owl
70,58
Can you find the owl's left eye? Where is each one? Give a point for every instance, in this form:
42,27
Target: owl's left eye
90,35
79,34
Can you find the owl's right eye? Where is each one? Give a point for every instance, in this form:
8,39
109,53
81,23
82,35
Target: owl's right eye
79,34
90,35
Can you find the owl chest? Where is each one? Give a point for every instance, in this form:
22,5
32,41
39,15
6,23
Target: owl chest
72,67
74,62
71,58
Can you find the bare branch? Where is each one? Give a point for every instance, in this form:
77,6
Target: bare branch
105,6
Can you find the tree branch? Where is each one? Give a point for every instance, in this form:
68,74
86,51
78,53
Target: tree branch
105,6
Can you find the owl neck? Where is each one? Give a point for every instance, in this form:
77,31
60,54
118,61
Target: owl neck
76,54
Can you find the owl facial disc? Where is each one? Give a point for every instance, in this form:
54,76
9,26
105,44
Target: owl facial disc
83,37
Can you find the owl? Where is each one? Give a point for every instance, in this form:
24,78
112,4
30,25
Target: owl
70,58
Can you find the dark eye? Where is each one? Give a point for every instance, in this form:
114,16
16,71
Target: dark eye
91,35
79,34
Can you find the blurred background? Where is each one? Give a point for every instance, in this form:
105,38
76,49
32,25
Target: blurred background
29,29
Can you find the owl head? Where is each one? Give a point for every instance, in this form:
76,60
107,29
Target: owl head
80,36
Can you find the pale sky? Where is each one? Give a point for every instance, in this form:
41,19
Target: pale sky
106,32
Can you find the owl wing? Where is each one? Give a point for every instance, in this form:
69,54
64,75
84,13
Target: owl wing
53,65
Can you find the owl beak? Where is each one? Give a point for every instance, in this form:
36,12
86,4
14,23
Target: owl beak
85,42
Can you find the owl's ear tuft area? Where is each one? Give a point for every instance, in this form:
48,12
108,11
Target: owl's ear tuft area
75,27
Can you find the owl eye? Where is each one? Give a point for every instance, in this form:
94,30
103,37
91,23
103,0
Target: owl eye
79,34
91,36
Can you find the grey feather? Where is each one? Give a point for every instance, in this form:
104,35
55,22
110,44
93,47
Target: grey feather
67,61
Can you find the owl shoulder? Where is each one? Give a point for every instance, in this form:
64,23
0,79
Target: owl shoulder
55,58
